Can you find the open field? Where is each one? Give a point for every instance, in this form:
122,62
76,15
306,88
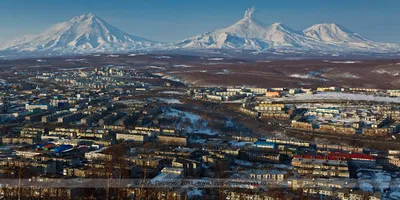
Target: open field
218,71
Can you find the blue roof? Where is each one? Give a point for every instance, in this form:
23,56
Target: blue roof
265,143
62,148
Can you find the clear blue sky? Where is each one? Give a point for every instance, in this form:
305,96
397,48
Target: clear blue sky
172,20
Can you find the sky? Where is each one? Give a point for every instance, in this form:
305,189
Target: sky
174,20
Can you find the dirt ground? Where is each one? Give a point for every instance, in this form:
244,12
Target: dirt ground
204,71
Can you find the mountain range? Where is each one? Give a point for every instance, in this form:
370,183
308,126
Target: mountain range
250,34
89,34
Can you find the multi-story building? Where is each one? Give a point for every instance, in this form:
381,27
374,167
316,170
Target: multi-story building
190,167
267,175
132,137
70,117
172,140
321,166
54,116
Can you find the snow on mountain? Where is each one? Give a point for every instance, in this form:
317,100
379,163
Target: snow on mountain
283,37
81,34
344,38
249,34
247,27
332,33
241,35
89,33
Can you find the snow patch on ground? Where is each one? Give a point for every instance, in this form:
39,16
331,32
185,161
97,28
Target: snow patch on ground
172,78
218,63
229,123
243,163
370,180
192,123
155,67
382,71
340,96
162,57
138,54
195,192
346,75
76,60
349,75
113,56
310,75
170,101
3,83
197,141
183,66
225,71
342,62
300,76
172,92
395,195
239,144
215,59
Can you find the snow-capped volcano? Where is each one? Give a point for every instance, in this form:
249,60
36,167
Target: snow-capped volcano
332,33
249,34
247,27
89,33
344,38
241,35
281,36
81,34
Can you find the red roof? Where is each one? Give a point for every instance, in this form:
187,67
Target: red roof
361,156
310,157
49,145
297,156
338,154
307,156
333,158
351,156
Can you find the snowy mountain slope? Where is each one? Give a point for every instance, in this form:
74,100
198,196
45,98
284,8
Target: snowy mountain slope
81,34
241,35
249,34
283,37
332,33
89,33
221,40
344,38
247,27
